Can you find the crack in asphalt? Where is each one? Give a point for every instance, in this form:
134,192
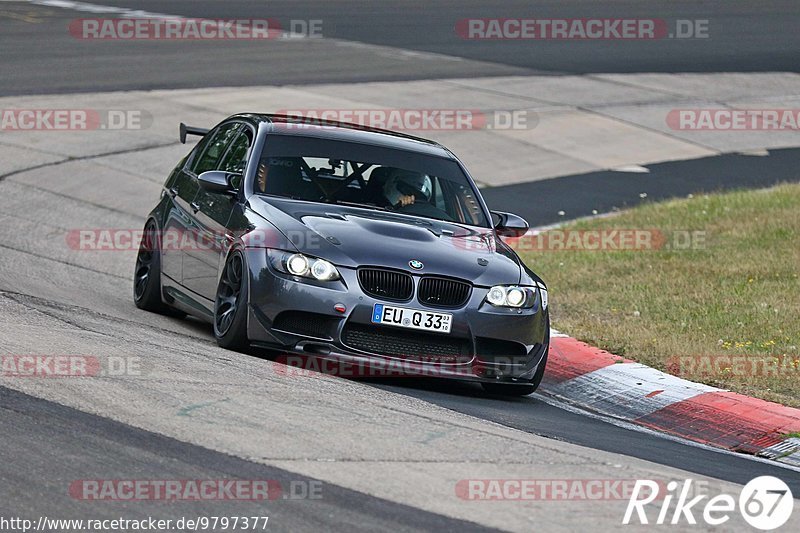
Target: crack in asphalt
56,229
28,148
61,261
79,200
70,159
52,315
36,303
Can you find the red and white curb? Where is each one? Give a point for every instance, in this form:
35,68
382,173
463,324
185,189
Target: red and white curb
604,383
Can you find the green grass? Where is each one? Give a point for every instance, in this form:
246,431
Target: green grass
737,293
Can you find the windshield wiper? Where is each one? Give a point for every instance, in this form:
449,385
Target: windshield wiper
358,204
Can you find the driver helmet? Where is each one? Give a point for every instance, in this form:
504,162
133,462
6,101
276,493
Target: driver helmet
405,183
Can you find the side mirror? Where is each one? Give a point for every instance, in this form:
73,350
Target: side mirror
217,181
509,224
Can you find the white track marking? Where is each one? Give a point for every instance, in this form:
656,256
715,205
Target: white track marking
86,7
642,429
787,451
635,169
628,390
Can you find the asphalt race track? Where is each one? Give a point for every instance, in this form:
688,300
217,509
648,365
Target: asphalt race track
535,415
387,452
49,430
45,59
581,195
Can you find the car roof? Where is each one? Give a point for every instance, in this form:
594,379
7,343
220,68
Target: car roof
345,131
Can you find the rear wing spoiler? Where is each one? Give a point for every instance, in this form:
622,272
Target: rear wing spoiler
191,130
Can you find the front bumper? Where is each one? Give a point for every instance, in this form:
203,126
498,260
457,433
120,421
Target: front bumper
297,316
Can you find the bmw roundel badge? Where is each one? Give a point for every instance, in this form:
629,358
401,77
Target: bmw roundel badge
416,265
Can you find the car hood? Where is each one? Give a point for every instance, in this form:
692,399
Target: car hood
354,237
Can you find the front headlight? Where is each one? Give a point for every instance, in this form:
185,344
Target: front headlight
511,296
303,265
323,270
297,264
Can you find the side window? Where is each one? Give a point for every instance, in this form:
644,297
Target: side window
215,148
438,196
194,156
235,159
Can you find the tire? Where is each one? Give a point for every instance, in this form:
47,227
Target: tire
230,304
521,389
147,275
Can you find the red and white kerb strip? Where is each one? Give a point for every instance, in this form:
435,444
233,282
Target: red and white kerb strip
610,385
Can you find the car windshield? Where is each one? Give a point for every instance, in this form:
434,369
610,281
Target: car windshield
373,177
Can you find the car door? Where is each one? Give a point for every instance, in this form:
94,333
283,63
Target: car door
211,211
182,189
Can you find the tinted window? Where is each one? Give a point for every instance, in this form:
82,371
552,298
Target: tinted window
235,160
194,156
215,148
374,177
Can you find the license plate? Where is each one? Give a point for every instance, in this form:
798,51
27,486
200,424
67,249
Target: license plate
411,318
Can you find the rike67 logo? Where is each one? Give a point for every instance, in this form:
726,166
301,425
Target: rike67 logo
765,503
